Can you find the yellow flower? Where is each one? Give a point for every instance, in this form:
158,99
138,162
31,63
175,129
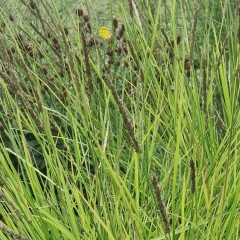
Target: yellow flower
104,33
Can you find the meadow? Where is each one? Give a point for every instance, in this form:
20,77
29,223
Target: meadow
119,123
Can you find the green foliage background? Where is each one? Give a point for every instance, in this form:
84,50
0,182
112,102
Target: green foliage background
86,121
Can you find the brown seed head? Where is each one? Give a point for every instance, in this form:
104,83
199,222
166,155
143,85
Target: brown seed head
30,53
178,39
3,26
79,12
1,127
89,27
110,52
193,175
11,18
125,50
54,129
86,18
44,69
160,202
121,32
135,67
115,23
91,42
32,5
21,108
118,50
126,64
65,31
27,47
51,78
56,47
9,52
55,40
13,49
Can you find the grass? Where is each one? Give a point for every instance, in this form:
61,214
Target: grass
132,137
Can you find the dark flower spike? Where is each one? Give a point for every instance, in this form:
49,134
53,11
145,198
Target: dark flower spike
193,176
79,12
160,203
115,23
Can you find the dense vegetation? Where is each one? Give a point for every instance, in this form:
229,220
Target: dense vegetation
123,128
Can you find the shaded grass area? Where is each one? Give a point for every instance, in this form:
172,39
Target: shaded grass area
133,134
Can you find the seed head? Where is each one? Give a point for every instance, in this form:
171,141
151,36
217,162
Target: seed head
91,42
125,50
51,78
135,68
79,12
178,39
54,129
115,23
30,53
11,18
55,40
1,127
44,69
89,27
13,49
121,32
126,64
9,52
86,18
193,175
56,47
160,203
118,50
32,5
65,31
27,47
110,52
3,26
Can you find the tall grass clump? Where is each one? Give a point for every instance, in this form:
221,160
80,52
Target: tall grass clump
91,106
